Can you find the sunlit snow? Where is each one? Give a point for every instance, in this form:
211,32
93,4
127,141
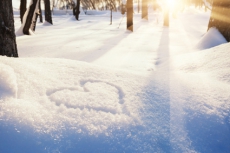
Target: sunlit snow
88,86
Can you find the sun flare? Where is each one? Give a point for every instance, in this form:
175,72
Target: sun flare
170,3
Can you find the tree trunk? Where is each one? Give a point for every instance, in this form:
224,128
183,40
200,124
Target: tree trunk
74,11
138,6
144,9
77,10
129,6
74,8
111,16
30,22
22,9
40,11
166,17
48,15
111,12
8,44
220,17
37,13
123,9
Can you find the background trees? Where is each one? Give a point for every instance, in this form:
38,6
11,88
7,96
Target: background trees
32,13
219,17
89,4
8,45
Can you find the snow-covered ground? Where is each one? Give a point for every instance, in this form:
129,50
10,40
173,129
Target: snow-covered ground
88,86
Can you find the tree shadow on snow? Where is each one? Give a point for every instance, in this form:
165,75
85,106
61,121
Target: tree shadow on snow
102,50
153,135
156,102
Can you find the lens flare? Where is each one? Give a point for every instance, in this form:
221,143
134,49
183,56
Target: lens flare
170,3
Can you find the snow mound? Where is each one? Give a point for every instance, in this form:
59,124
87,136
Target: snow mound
8,82
72,18
211,39
95,12
46,24
208,73
73,95
20,32
112,104
213,61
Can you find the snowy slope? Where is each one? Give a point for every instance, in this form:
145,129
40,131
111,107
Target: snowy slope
87,86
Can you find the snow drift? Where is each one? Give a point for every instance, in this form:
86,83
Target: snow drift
211,39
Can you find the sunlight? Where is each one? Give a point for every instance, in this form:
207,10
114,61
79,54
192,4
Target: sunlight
170,3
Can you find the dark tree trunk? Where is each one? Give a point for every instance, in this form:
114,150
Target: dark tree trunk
22,9
8,44
77,12
36,14
74,11
220,17
144,9
40,11
31,17
129,6
111,12
74,8
48,15
33,26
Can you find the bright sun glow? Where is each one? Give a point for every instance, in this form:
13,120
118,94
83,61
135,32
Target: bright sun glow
170,3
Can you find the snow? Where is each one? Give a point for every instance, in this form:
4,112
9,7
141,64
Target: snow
8,82
211,39
87,86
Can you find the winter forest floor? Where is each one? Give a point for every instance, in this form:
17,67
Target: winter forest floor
88,86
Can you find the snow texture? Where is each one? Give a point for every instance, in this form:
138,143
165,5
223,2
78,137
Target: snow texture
87,86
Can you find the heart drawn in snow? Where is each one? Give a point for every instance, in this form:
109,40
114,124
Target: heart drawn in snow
92,95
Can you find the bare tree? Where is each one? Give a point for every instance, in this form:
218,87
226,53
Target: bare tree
48,15
40,11
22,9
129,6
31,17
8,44
144,9
77,12
36,14
166,17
